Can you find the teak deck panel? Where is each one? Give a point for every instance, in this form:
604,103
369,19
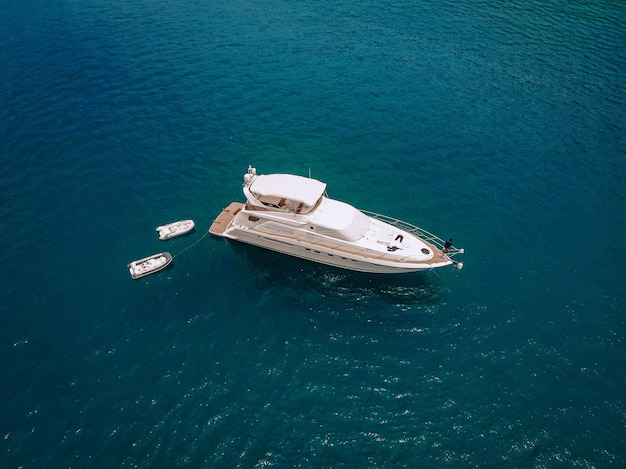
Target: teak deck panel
223,220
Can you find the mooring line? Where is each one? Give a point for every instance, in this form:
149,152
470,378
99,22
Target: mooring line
192,245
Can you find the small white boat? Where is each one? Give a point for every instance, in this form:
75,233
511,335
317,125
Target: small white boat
293,215
149,265
177,228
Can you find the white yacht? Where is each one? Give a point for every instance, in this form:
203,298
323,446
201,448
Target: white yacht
293,215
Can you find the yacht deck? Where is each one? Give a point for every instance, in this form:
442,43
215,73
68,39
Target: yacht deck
224,219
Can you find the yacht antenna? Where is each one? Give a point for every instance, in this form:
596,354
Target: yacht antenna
309,172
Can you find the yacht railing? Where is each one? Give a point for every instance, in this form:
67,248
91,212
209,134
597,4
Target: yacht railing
416,230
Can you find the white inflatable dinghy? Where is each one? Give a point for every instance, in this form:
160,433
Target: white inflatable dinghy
149,265
174,229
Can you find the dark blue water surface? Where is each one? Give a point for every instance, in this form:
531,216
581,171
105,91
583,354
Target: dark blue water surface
501,124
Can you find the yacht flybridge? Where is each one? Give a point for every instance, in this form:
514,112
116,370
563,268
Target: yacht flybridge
293,215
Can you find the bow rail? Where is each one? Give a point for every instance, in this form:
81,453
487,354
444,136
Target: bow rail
416,230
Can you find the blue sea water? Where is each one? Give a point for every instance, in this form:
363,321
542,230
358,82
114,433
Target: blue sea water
500,124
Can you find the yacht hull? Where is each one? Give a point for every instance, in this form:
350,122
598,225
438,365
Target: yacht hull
317,250
330,257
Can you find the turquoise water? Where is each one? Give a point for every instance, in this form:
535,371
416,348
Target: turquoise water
500,124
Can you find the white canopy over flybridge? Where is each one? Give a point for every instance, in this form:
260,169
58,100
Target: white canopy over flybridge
288,186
